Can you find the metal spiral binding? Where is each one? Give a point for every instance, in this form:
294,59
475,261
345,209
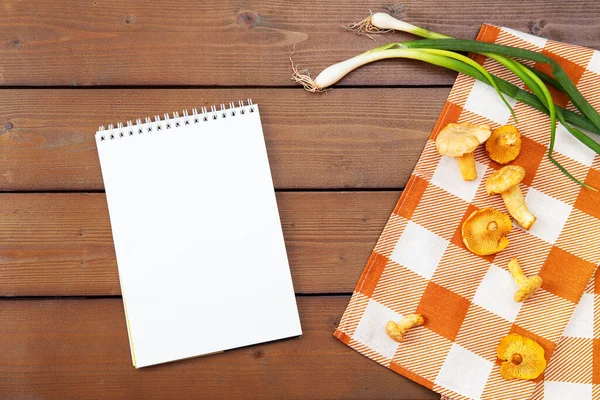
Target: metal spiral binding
113,132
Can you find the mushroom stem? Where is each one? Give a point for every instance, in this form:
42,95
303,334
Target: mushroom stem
396,330
527,286
515,204
466,163
508,139
516,359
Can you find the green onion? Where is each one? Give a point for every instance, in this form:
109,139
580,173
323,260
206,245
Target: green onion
380,23
480,47
546,78
335,72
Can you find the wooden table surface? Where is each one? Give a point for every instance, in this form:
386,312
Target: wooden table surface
339,162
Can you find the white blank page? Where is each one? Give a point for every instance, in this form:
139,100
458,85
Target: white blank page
199,246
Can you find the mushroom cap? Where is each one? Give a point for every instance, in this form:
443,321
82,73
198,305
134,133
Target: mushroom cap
524,357
504,179
484,231
456,140
504,145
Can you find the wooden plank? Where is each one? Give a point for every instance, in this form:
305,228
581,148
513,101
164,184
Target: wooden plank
216,42
61,244
66,349
346,138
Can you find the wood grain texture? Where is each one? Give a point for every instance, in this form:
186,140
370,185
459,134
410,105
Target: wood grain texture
231,42
67,349
346,138
61,244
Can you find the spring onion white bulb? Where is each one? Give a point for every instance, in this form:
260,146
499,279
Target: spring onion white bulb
382,22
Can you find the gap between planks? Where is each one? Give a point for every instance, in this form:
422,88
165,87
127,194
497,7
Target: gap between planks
60,244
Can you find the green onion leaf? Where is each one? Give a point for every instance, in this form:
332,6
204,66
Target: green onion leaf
474,64
481,47
538,87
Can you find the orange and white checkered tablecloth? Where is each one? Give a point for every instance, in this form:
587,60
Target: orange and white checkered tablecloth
420,264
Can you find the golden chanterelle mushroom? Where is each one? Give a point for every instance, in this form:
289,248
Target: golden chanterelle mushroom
484,231
460,141
504,145
506,181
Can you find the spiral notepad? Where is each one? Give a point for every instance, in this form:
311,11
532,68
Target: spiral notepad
199,245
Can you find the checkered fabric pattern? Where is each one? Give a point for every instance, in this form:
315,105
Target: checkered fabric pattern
420,264
573,371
